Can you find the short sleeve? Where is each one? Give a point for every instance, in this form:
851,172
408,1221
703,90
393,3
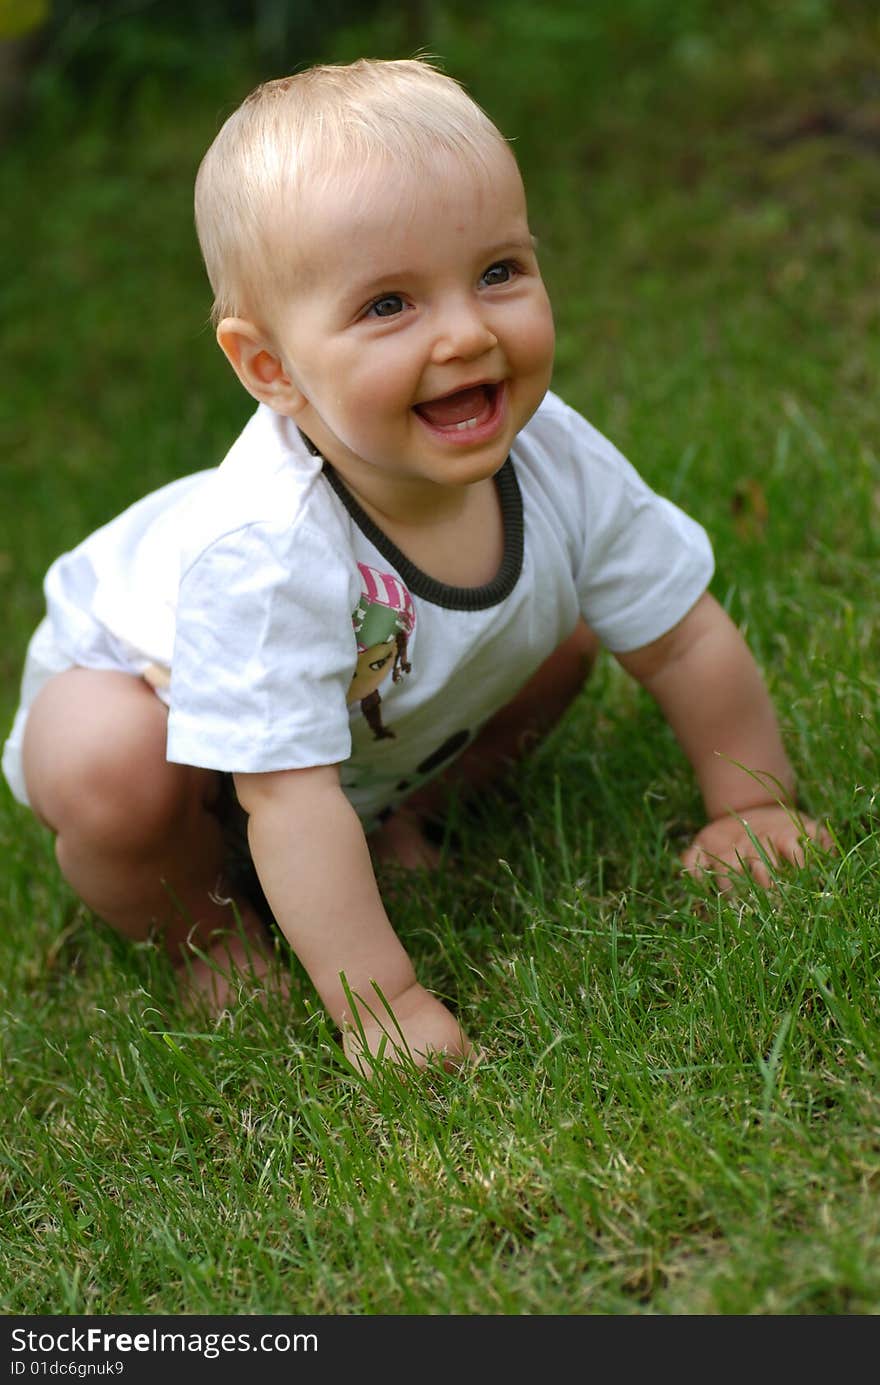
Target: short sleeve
642,563
264,653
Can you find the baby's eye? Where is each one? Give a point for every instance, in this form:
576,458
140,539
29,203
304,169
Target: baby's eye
499,273
388,306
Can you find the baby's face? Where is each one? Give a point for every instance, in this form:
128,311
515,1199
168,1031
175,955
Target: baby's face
421,336
372,668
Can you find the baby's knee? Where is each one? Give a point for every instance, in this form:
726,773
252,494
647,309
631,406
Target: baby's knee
99,774
115,801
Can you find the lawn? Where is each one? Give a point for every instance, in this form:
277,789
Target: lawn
679,1108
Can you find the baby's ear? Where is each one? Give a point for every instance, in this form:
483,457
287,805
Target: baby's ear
258,366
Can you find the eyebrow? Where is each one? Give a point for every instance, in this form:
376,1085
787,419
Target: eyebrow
506,246
369,288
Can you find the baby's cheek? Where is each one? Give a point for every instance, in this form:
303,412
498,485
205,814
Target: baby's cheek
539,342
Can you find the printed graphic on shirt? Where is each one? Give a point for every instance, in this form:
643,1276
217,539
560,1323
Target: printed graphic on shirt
358,779
451,747
383,621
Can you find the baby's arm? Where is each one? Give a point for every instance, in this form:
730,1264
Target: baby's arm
314,865
706,682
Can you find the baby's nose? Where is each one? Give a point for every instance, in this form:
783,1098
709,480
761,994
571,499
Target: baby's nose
463,333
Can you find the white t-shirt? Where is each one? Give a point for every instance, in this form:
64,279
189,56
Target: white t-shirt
297,634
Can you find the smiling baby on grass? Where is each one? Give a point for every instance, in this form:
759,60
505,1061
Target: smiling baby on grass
393,584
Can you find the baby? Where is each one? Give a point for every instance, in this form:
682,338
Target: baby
395,582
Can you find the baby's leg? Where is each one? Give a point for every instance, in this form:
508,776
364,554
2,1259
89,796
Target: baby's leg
136,837
510,734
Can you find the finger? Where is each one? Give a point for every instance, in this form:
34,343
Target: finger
699,865
723,880
816,832
753,860
706,870
699,859
792,850
692,860
759,871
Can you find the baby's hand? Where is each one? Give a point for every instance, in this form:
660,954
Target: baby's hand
735,845
421,1030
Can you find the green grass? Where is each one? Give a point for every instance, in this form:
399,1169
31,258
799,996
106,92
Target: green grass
679,1108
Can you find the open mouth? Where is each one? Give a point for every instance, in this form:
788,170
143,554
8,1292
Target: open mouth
463,411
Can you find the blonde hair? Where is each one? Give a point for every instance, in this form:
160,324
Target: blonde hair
296,131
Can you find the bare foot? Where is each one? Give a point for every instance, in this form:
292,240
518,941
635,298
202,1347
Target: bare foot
400,841
236,964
